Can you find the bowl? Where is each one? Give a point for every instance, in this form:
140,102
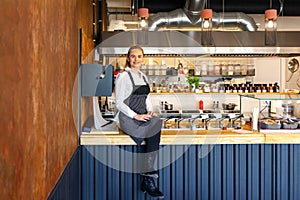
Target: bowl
228,106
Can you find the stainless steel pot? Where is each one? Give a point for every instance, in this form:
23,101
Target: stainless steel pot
229,106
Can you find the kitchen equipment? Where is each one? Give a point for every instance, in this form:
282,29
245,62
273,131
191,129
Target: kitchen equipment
288,110
293,66
168,106
229,106
215,104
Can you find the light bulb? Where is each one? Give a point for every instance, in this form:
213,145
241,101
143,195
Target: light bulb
270,24
143,23
205,23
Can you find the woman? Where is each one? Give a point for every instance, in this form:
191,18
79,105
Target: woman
136,117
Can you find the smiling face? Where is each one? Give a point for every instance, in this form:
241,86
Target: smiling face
135,58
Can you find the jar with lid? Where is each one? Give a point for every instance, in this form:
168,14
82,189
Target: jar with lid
230,69
197,71
243,70
214,88
206,88
204,69
163,67
217,69
211,70
237,69
150,70
157,70
224,69
250,70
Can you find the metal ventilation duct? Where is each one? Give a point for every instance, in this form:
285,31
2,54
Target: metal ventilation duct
189,18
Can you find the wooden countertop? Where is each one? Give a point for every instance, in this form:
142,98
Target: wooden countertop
187,137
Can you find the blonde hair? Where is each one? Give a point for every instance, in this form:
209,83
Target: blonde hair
129,51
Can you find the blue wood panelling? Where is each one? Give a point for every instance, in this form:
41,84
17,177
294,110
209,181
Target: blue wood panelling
228,172
68,185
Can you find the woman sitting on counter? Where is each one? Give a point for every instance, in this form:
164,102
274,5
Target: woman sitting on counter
136,117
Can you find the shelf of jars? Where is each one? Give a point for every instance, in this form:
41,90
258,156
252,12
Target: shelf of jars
156,65
211,71
206,88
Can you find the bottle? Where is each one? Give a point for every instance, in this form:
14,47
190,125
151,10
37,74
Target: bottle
234,90
200,105
276,87
258,89
270,87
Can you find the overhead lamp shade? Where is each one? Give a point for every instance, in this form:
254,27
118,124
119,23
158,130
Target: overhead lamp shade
206,14
271,14
143,12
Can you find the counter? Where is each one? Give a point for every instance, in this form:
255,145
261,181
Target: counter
186,137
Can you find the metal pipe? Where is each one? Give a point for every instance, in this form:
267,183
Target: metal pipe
189,19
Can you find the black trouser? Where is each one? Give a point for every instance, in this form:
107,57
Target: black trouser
148,152
152,143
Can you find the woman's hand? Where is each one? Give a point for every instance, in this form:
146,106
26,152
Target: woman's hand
152,113
143,117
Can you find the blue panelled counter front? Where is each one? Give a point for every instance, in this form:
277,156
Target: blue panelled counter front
232,166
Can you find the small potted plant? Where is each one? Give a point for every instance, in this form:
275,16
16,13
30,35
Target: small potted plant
194,82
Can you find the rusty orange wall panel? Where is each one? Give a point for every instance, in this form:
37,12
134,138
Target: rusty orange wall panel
38,67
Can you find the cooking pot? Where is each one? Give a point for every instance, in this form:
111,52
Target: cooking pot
168,106
229,106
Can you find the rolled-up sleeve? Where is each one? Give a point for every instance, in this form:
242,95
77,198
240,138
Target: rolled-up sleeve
123,89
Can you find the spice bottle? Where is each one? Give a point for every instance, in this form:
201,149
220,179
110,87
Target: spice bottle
200,105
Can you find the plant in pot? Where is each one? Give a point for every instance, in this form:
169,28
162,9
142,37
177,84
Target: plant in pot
194,82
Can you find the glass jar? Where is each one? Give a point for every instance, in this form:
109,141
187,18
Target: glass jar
197,71
230,69
204,69
217,70
244,70
211,70
237,69
250,70
224,69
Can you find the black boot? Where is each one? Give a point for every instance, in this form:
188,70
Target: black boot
148,169
148,185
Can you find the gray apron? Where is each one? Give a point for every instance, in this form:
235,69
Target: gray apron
139,130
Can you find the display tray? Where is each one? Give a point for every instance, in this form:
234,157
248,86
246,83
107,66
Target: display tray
279,124
263,125
282,131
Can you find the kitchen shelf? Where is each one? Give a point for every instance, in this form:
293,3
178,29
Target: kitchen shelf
273,96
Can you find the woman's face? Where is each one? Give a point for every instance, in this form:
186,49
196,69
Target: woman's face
136,58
